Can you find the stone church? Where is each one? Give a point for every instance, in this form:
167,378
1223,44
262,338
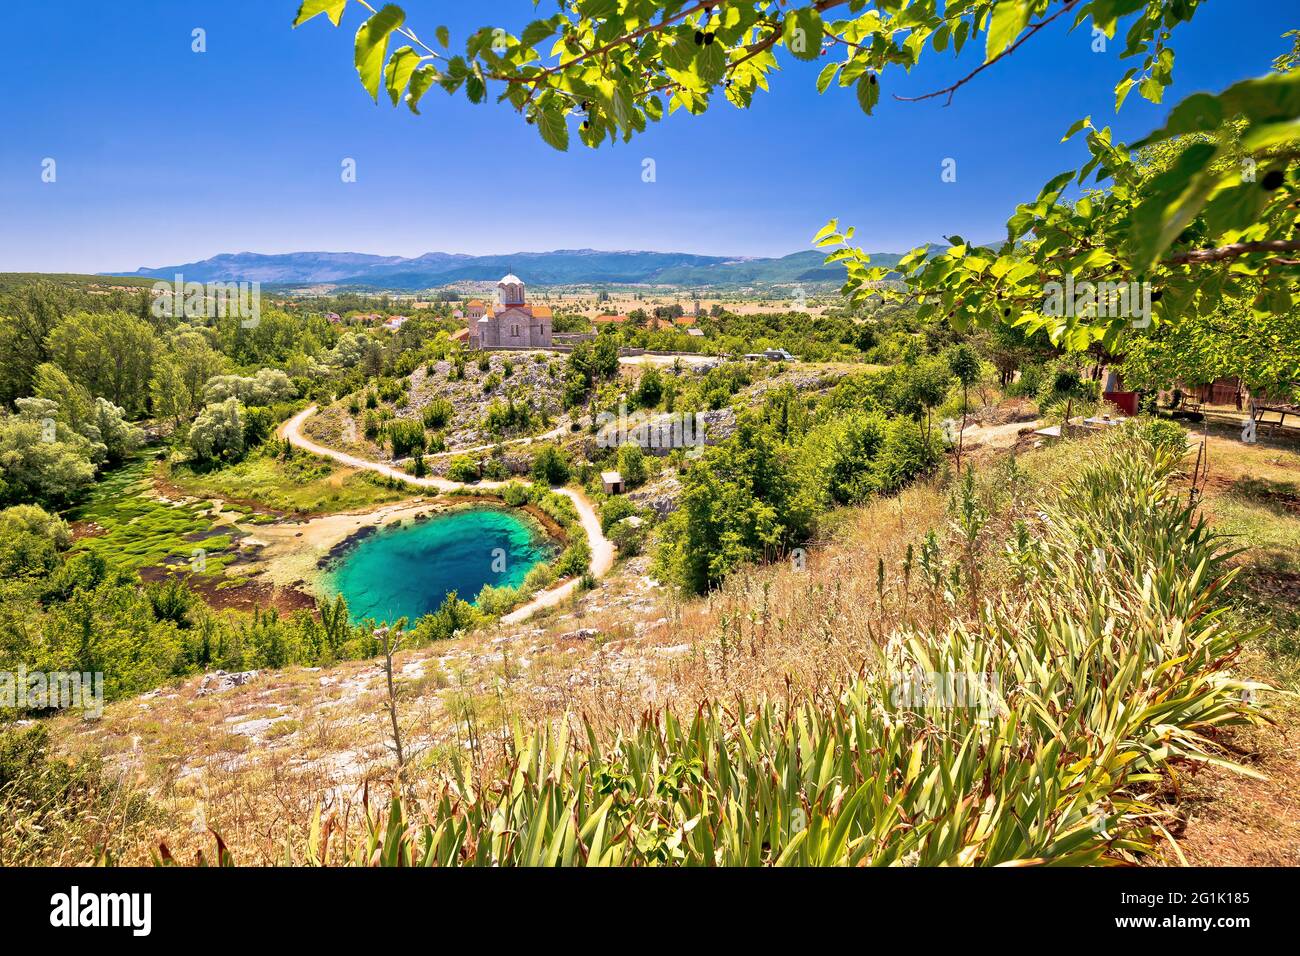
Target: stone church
510,324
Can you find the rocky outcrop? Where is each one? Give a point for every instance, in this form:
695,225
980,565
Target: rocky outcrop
218,681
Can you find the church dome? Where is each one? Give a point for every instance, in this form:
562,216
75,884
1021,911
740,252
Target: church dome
512,290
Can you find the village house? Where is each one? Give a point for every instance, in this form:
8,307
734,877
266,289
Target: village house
512,323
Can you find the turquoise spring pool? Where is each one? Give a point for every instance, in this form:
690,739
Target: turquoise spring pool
407,570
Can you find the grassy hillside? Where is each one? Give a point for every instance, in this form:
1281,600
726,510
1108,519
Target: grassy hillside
807,660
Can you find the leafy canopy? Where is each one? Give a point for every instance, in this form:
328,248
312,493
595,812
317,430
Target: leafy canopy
614,66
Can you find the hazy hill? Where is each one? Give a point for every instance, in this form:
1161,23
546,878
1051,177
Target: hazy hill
560,267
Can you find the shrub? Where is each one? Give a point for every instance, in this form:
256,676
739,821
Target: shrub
614,510
574,560
437,413
390,389
515,494
463,468
259,423
31,540
627,538
539,576
495,601
650,389
1161,434
406,437
551,466
218,432
905,454
631,464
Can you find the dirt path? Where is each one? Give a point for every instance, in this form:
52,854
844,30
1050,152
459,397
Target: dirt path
602,549
559,431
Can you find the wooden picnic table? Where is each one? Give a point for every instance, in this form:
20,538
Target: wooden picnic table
1282,411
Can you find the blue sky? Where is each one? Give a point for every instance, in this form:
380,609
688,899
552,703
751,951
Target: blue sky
166,156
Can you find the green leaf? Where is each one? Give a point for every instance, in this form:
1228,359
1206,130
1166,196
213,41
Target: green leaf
1077,125
1269,99
475,86
536,32
826,75
711,63
421,81
803,33
1152,89
1235,208
310,8
829,229
372,44
1008,19
598,9
1271,134
868,92
444,36
399,70
551,124
1122,89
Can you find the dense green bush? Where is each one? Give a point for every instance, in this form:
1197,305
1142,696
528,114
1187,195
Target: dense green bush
463,468
437,413
631,465
31,541
405,437
614,510
573,560
1162,434
551,466
906,454
627,538
740,502
218,433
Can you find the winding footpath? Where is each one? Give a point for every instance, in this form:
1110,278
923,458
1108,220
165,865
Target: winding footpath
602,549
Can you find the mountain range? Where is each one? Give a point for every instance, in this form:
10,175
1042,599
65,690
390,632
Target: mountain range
560,267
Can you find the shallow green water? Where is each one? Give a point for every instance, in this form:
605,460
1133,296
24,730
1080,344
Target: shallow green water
407,571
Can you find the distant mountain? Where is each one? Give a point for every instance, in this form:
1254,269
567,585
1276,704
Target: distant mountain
561,267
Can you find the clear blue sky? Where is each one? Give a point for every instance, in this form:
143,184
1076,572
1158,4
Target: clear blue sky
167,156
